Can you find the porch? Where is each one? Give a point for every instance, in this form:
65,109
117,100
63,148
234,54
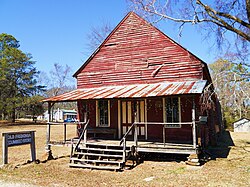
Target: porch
87,135
146,146
143,146
112,154
122,123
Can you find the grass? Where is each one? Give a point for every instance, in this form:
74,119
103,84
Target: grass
232,169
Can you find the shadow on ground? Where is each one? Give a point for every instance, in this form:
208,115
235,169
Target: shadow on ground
163,157
225,142
223,147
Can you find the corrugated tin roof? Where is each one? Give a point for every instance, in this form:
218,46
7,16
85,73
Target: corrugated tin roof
133,91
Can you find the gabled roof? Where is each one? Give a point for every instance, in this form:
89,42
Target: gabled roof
144,22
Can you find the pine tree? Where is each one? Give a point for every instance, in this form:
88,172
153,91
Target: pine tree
17,76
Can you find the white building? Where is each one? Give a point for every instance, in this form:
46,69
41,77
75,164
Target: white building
60,115
242,125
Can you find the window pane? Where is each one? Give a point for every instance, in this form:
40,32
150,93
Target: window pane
175,110
103,112
172,110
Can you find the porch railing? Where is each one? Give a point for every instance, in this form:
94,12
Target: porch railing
60,142
172,125
164,125
83,135
124,139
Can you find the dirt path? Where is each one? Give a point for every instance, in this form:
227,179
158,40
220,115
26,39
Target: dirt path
12,184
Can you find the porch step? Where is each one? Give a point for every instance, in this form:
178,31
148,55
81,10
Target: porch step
95,156
104,146
102,150
99,155
95,167
96,161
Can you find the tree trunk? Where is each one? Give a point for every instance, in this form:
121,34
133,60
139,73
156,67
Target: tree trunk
13,113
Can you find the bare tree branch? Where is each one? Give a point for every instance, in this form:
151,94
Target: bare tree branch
222,23
199,14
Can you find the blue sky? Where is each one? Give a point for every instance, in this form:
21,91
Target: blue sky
55,31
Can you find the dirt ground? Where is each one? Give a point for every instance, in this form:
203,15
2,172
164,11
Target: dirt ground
229,166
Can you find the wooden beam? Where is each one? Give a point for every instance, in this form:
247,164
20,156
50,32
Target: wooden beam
48,137
119,119
146,120
5,149
65,131
193,125
33,147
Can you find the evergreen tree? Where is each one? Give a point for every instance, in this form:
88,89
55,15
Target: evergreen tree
17,76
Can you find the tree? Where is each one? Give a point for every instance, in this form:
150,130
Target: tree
58,80
215,18
33,106
232,85
97,35
17,76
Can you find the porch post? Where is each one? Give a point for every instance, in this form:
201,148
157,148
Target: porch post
65,132
136,127
193,124
48,127
85,117
146,119
48,147
164,121
119,119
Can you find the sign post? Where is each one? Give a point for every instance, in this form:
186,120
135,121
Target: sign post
18,138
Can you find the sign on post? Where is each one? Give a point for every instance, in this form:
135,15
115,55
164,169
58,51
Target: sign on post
18,138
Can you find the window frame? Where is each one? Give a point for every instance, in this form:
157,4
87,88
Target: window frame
165,110
98,114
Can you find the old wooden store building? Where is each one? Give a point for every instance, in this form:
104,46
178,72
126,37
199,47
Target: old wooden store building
140,91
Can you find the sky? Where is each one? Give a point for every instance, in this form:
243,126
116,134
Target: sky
56,31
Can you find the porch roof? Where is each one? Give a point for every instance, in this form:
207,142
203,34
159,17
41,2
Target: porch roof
132,91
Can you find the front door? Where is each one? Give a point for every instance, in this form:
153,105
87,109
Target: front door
131,111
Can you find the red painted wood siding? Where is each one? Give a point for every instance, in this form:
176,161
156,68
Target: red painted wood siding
133,53
155,114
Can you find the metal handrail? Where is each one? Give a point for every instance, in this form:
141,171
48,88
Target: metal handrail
83,132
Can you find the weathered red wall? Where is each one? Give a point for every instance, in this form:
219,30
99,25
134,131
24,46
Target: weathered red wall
183,134
114,114
91,104
132,54
155,114
91,112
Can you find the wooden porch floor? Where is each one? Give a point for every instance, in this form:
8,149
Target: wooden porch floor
143,146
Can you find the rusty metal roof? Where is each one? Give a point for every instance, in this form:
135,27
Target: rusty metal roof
132,91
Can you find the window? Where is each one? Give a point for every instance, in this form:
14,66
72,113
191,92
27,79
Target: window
102,113
172,110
